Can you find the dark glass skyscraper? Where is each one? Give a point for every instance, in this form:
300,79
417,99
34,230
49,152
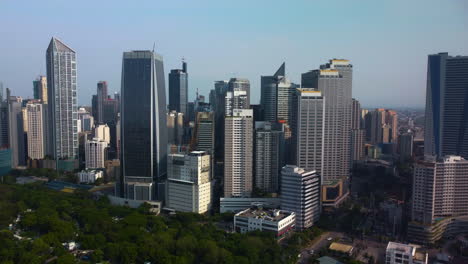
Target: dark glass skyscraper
178,89
446,125
143,125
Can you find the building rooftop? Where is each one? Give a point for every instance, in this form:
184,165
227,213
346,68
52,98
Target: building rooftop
404,248
274,215
328,260
341,247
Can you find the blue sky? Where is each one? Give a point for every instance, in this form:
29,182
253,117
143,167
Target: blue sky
387,41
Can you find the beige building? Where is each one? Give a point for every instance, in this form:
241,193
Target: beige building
189,186
238,153
102,132
35,134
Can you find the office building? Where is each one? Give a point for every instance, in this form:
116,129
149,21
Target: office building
405,146
90,176
276,96
102,132
95,153
308,122
85,120
381,126
236,100
178,89
205,132
16,130
143,126
239,84
219,109
446,123
300,193
62,92
397,253
238,153
40,89
334,81
35,134
189,187
439,199
175,128
357,133
277,222
237,204
269,159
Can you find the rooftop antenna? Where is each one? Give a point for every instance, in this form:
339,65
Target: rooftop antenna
154,44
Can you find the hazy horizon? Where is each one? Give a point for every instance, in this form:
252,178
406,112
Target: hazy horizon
387,42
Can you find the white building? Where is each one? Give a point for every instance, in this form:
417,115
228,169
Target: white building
35,134
188,184
89,176
397,253
276,221
300,193
102,132
95,153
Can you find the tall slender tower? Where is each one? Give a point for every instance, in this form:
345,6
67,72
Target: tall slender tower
238,85
178,89
446,124
40,89
35,133
62,100
334,80
238,153
143,126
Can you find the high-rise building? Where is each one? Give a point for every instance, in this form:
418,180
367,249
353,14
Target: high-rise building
95,153
446,124
102,132
189,187
236,100
405,146
308,122
205,132
62,100
334,81
178,89
357,133
175,128
143,126
269,149
382,126
439,199
219,109
277,95
300,193
239,84
85,120
40,89
35,133
16,130
238,153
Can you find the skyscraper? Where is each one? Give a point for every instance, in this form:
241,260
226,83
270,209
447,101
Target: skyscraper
205,132
178,89
300,193
102,132
35,133
446,124
16,130
40,89
238,153
175,128
143,125
357,133
62,100
439,199
308,122
239,84
269,149
334,81
219,109
382,126
276,96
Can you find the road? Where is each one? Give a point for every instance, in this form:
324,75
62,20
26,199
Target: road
317,244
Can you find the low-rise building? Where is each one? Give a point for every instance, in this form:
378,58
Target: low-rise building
276,221
237,204
340,247
397,253
90,176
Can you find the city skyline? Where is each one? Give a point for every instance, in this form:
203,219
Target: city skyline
388,42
